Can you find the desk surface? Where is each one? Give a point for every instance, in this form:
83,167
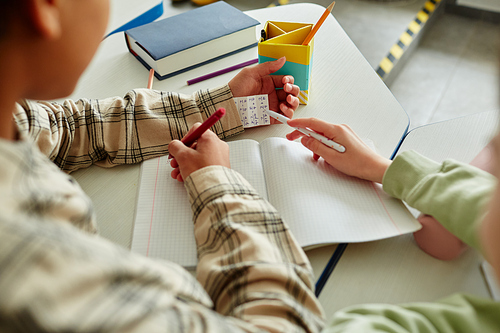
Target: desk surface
345,89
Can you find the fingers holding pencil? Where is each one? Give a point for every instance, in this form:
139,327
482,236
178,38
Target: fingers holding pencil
358,160
209,151
199,148
177,148
192,136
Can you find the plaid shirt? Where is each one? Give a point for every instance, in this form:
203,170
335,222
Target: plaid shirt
56,274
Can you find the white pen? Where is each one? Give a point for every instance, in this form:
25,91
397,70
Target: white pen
319,137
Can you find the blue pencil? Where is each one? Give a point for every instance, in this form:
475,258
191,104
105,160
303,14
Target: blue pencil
329,268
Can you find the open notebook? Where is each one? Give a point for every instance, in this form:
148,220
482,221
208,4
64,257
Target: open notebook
320,204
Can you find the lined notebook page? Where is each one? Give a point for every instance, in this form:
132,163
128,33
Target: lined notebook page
163,224
164,220
322,205
245,158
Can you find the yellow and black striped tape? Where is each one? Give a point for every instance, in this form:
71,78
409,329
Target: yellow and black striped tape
406,38
278,3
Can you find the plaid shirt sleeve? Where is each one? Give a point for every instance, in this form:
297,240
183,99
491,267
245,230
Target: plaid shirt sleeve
248,261
125,130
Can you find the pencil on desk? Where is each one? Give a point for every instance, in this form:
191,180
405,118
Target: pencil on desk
151,76
323,279
318,24
222,71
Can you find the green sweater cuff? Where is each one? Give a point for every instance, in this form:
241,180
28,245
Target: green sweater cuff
455,194
405,172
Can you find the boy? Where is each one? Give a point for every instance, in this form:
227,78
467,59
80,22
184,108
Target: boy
55,274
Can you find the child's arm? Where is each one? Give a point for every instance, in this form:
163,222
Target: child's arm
456,313
454,193
117,130
249,262
139,126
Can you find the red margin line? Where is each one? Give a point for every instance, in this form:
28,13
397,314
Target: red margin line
153,209
383,204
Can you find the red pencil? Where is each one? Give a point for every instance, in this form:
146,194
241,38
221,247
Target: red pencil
195,135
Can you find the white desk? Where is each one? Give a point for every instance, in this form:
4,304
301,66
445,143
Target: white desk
345,89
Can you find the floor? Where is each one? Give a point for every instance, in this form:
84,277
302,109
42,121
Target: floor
453,72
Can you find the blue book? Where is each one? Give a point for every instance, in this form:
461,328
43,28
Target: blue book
179,43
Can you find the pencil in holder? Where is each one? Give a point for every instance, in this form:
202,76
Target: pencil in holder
280,39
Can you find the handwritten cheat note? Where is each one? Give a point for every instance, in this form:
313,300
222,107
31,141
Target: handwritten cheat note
252,110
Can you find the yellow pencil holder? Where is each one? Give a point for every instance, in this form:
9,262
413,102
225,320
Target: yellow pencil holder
285,39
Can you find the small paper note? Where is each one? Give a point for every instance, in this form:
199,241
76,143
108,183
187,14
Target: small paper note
252,110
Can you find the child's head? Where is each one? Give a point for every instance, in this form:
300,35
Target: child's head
50,42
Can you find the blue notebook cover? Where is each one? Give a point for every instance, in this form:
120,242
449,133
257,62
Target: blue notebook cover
177,33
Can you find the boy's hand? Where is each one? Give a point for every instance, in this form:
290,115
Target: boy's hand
256,80
208,150
358,160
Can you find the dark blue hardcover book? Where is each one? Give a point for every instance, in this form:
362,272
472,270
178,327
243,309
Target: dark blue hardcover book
179,43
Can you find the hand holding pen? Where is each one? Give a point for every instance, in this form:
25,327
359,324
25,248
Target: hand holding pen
357,160
305,131
199,148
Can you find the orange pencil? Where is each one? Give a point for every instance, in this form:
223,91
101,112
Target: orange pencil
150,80
317,25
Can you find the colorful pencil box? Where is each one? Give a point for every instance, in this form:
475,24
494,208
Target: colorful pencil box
285,39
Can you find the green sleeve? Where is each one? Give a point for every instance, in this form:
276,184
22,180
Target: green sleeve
455,314
454,193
